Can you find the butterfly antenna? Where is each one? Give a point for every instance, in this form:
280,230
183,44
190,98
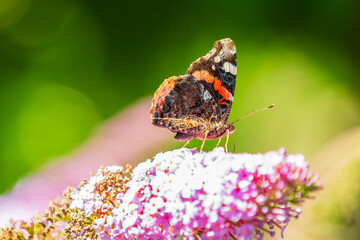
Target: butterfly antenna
256,111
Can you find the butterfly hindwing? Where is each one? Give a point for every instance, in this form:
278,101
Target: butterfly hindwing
183,104
218,68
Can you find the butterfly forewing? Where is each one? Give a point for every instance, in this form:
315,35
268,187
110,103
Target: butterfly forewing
218,68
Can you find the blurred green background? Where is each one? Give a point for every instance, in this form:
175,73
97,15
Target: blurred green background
65,66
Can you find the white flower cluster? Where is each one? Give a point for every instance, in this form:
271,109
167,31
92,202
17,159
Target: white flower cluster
214,195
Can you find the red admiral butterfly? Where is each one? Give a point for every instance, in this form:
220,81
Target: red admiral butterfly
198,104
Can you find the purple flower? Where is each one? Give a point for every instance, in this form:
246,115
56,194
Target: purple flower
214,195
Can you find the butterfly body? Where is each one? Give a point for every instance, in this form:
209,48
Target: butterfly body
198,104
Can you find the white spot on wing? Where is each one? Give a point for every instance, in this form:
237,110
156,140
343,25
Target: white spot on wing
217,59
227,66
207,95
213,67
231,97
232,69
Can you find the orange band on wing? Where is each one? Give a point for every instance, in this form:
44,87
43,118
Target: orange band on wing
205,75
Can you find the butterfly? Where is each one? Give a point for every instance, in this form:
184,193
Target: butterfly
198,104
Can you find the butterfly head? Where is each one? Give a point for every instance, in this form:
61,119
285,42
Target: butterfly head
230,127
223,130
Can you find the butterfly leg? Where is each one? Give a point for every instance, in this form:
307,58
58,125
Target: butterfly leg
186,143
227,140
218,143
234,143
203,143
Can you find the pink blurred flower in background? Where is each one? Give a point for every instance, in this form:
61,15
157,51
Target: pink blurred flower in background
114,142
